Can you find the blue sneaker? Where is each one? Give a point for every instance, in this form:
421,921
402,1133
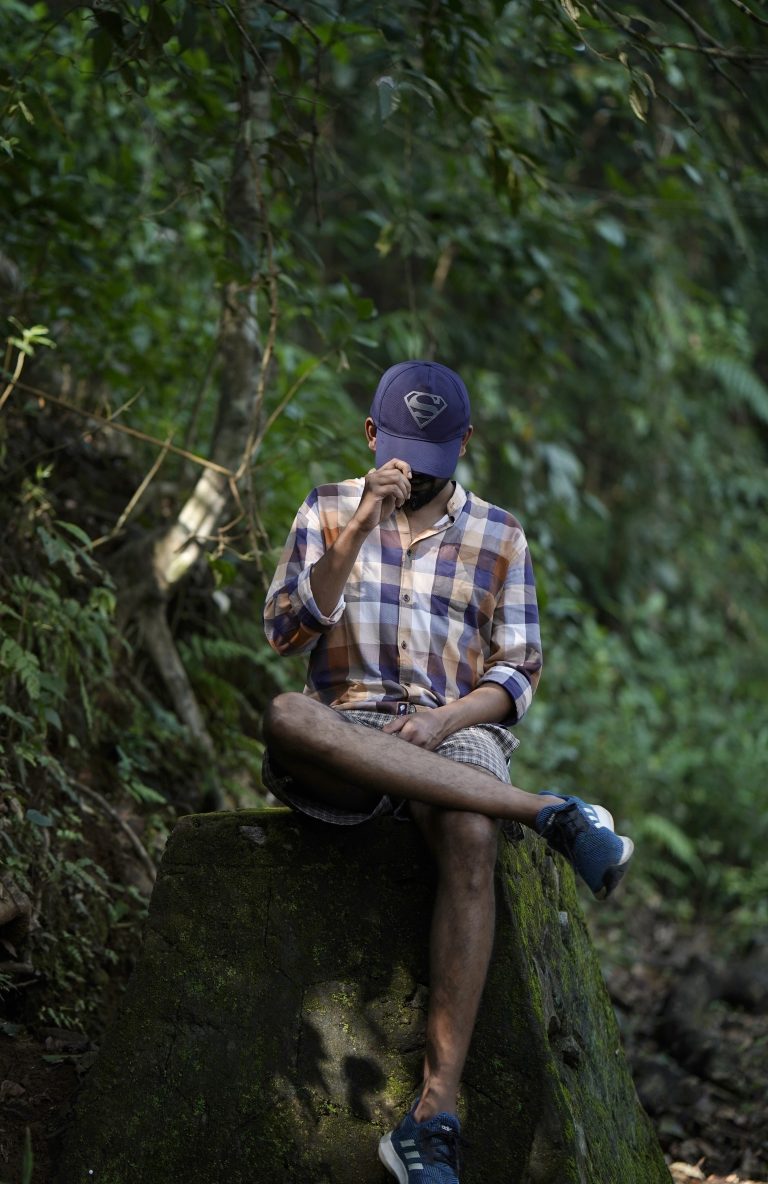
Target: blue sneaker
423,1152
584,835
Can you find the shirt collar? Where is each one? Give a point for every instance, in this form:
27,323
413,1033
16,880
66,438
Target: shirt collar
456,503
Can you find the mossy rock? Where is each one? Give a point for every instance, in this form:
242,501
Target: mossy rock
274,1026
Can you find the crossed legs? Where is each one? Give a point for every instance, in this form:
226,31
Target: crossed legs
322,752
457,808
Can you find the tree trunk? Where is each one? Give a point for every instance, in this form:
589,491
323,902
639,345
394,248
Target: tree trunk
148,574
274,1027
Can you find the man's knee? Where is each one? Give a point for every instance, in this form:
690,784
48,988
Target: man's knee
285,718
466,844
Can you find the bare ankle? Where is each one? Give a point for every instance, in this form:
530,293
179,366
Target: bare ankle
435,1100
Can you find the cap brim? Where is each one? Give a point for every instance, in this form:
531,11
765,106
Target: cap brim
436,460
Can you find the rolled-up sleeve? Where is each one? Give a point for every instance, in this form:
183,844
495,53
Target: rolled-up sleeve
514,657
293,622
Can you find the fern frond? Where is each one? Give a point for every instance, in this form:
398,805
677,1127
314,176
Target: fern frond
740,381
672,839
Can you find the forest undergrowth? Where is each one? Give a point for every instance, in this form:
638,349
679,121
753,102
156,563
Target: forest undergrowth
96,770
220,224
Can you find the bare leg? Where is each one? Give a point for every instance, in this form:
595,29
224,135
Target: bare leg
328,756
465,847
456,807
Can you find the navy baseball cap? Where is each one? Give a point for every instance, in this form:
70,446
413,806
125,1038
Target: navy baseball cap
421,412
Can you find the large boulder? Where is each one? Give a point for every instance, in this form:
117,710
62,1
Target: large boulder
274,1026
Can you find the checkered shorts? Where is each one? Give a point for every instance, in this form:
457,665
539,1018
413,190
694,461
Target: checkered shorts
485,746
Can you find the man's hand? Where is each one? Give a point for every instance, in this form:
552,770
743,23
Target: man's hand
487,704
385,489
425,729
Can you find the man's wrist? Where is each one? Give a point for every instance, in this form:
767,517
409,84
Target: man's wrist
356,530
448,720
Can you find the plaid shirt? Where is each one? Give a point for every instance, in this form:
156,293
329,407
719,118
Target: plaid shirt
426,619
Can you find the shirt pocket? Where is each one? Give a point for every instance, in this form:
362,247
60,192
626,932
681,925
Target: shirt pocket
458,593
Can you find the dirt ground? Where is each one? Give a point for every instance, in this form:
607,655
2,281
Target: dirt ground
694,1021
683,1173
38,1079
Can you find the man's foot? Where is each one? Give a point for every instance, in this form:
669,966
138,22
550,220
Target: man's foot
584,835
423,1152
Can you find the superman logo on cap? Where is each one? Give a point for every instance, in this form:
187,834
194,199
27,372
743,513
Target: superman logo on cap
424,407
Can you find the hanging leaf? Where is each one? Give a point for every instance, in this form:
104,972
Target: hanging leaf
111,22
638,102
291,58
27,1159
39,819
161,24
611,230
388,95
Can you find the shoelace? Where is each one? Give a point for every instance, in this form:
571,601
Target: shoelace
563,828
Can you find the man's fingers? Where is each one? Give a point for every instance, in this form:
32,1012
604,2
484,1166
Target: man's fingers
409,730
403,725
387,476
401,465
392,483
413,729
389,486
394,725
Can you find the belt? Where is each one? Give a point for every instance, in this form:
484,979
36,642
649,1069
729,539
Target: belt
396,707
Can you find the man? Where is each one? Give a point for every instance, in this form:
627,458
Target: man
415,601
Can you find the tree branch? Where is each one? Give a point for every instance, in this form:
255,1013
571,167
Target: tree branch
716,51
735,54
139,848
748,12
120,427
105,538
14,379
701,36
699,32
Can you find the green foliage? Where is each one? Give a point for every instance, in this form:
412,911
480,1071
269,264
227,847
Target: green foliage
656,729
50,640
560,200
58,646
31,337
28,1160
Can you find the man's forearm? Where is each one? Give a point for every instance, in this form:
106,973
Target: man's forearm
487,704
329,575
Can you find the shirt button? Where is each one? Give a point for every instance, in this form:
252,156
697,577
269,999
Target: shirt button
403,645
406,597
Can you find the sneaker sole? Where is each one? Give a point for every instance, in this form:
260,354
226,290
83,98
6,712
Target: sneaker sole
391,1159
614,874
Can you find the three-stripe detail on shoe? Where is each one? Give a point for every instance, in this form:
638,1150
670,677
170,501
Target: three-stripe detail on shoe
412,1167
598,816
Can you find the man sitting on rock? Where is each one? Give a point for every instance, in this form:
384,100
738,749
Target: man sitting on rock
415,601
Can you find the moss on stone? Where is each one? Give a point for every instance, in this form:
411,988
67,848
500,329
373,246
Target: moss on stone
274,1026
